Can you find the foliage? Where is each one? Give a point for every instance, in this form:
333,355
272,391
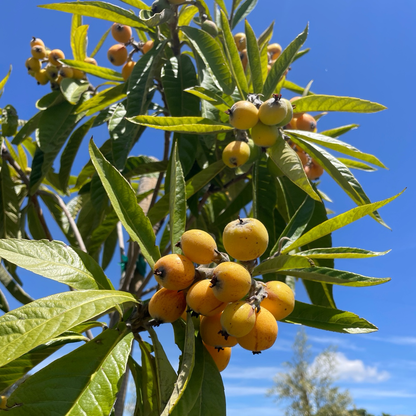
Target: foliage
182,88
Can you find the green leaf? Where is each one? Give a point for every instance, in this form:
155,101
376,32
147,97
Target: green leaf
100,10
123,199
212,55
9,120
54,260
329,319
98,71
275,264
340,130
340,253
165,372
9,204
177,200
4,306
242,12
42,320
288,162
79,42
336,277
100,43
15,370
142,165
156,19
4,80
28,128
355,164
73,89
253,54
137,3
283,62
210,96
339,146
13,287
338,222
199,125
76,22
186,368
234,57
334,103
102,233
85,381
301,53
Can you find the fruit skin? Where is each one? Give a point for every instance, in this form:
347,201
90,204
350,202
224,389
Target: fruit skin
127,69
280,300
78,74
263,335
121,33
245,239
201,299
238,318
42,77
273,111
289,114
240,41
117,54
230,281
38,51
264,135
36,42
274,49
90,60
236,154
32,64
210,332
54,55
52,72
210,27
221,357
243,115
66,72
174,272
313,170
306,122
198,246
147,46
166,306
302,155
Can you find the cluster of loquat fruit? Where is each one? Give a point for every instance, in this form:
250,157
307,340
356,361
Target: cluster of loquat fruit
233,307
54,71
118,54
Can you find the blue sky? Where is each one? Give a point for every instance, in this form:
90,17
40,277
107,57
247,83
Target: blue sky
358,49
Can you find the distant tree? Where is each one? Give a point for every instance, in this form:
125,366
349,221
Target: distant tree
309,388
362,412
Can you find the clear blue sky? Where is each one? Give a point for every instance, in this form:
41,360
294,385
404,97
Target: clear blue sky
359,49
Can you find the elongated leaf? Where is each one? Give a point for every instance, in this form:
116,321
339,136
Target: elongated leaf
288,162
209,96
337,222
185,371
198,125
4,305
9,204
340,130
166,374
28,128
137,3
334,103
329,319
53,260
98,71
234,56
355,164
85,381
13,287
51,316
100,10
336,277
76,22
242,12
123,199
100,43
102,233
141,165
339,146
340,253
16,369
177,200
253,54
80,42
275,264
4,80
212,55
283,63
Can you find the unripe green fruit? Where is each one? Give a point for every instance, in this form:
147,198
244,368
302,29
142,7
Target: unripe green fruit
167,306
174,272
201,299
289,114
238,318
210,27
198,246
236,154
230,281
273,111
264,135
280,300
245,239
263,335
243,115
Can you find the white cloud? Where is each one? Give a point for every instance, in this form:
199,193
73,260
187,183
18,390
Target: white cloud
376,393
245,391
395,340
353,370
250,411
250,373
343,343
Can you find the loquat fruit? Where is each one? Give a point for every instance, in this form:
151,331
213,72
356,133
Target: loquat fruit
305,122
36,42
166,306
240,41
313,170
201,299
54,55
52,72
236,154
244,58
117,54
210,27
42,77
32,64
264,135
198,246
127,69
274,50
274,111
66,72
78,74
121,33
238,318
147,46
210,331
243,115
174,272
280,300
90,60
221,356
38,52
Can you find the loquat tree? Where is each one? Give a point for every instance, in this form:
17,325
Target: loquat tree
234,144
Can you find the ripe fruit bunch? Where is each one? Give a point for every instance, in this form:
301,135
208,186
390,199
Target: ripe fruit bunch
118,54
54,71
234,308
